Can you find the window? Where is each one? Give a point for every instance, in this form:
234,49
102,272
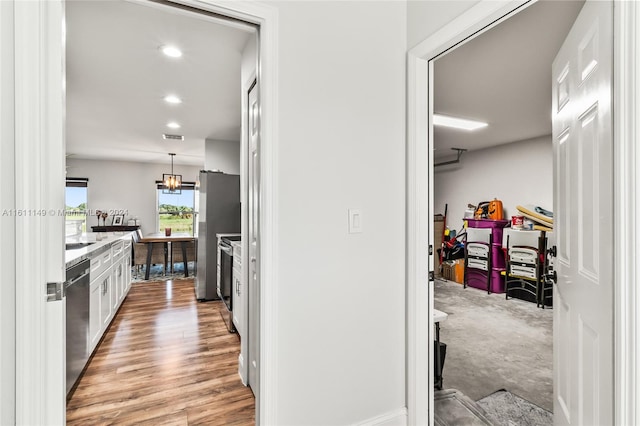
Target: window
76,206
175,211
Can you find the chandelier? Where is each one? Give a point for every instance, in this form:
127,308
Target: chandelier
171,183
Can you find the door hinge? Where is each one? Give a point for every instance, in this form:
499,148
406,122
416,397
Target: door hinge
432,276
55,291
430,249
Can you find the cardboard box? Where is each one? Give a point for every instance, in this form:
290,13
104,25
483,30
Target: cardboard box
453,270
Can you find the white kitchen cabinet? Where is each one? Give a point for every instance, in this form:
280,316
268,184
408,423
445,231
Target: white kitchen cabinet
110,275
106,307
117,276
100,271
127,268
238,292
95,324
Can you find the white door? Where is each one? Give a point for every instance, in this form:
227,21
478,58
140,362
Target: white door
253,329
583,188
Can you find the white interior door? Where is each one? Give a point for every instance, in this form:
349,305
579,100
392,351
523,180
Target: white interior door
583,196
253,330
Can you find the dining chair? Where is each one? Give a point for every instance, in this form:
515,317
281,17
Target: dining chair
158,255
176,252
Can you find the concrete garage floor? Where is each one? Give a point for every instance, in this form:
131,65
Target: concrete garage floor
493,344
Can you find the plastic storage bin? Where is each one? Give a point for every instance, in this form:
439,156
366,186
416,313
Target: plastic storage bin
497,280
496,225
497,256
477,278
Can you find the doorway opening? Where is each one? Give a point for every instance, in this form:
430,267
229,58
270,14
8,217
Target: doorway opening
476,20
497,347
134,164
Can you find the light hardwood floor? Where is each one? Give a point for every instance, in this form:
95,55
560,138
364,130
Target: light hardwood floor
166,360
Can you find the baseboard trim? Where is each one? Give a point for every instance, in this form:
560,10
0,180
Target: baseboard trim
392,418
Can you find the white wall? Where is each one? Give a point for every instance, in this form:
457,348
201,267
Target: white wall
116,185
222,155
516,173
425,17
341,145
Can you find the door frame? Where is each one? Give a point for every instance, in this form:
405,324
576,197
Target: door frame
7,224
39,136
420,211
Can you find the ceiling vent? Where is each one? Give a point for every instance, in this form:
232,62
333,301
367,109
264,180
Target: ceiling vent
172,137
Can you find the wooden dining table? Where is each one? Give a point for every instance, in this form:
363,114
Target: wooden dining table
179,237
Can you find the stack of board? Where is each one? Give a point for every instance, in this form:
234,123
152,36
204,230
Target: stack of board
542,219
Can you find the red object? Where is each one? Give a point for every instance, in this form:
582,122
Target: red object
517,222
167,232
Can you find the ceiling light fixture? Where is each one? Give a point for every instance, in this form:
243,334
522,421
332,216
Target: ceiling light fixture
171,183
172,99
457,123
171,51
173,125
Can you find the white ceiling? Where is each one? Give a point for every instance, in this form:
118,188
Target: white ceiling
117,79
502,77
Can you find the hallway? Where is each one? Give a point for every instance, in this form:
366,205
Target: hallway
166,359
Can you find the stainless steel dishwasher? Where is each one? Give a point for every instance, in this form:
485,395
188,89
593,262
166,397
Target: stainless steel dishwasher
77,293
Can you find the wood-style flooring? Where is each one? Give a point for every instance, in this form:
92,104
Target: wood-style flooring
166,360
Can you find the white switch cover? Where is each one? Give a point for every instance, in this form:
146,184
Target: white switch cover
355,221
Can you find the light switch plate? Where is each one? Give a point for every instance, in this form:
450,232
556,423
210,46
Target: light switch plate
355,221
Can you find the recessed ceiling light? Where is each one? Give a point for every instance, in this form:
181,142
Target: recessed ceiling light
171,51
173,125
172,99
457,123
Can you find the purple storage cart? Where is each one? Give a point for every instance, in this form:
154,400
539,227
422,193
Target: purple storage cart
496,225
497,280
477,278
497,255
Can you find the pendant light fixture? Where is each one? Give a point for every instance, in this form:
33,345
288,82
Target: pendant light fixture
171,183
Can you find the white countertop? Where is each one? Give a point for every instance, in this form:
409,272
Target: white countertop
100,239
439,316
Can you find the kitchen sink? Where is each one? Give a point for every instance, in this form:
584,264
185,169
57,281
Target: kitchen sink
75,246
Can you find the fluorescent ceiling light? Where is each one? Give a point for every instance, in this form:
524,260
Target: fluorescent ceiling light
457,123
172,99
173,125
171,51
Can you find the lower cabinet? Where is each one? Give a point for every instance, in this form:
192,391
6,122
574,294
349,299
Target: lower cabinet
126,264
110,283
95,324
100,307
106,308
117,284
238,301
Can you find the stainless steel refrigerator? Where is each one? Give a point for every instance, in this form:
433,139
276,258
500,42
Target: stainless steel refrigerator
218,213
